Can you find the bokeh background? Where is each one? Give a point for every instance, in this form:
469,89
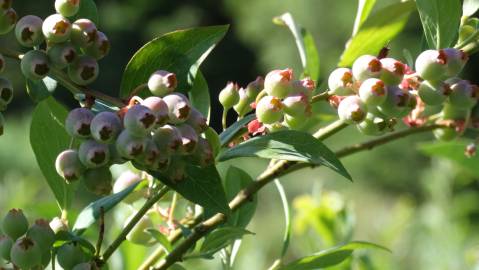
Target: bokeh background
426,210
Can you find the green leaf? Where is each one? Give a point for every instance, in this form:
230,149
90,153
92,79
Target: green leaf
214,140
63,237
305,43
200,96
287,217
363,11
180,52
88,10
221,238
41,89
378,29
440,20
469,7
161,238
48,138
330,257
201,186
289,145
92,212
236,179
231,132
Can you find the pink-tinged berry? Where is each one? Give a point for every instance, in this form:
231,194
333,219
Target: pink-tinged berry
341,82
69,166
470,150
28,31
105,127
463,94
6,92
93,154
397,103
197,121
278,83
67,8
8,18
159,108
26,253
229,96
254,87
352,110
269,110
62,54
373,92
445,134
99,48
78,122
15,224
179,108
392,72
138,235
35,65
98,181
168,138
83,33
297,105
432,65
84,70
305,86
433,92
366,67
130,146
162,83
6,244
125,180
56,28
456,60
139,120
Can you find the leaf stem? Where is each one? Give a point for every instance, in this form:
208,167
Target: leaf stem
287,217
223,118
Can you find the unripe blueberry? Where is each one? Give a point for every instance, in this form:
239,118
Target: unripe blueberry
138,234
162,83
100,46
115,157
445,134
105,127
85,266
70,255
431,64
130,146
125,180
84,33
189,139
62,54
98,181
275,127
139,120
84,70
28,31
243,107
352,110
2,63
93,154
433,92
229,96
176,172
367,66
56,28
297,105
34,65
153,158
8,18
373,92
2,124
466,31
6,92
203,155
42,234
463,94
450,112
397,102
5,4
340,82
6,244
253,88
305,87
278,83
179,107
392,72
15,224
58,225
456,60
158,107
197,121
67,8
372,125
295,122
78,122
269,110
168,138
26,253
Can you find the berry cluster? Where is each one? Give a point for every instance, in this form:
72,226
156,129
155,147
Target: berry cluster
159,133
241,99
8,18
76,46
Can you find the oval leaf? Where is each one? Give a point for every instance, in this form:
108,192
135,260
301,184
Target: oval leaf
236,179
200,96
88,10
363,11
41,89
231,132
469,7
221,238
289,145
161,238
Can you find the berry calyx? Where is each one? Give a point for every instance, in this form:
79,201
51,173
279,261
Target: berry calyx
269,110
15,224
341,82
229,96
35,65
69,166
278,83
28,31
162,83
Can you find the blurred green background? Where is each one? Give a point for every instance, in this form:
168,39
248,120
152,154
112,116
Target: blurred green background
426,210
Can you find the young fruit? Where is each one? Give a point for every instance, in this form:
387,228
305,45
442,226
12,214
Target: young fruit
203,155
67,8
253,88
105,127
295,122
433,92
70,254
373,92
297,105
78,123
432,65
56,28
15,224
179,107
176,172
26,253
392,72
463,94
445,134
456,60
340,82
42,234
100,46
98,181
28,31
352,110
229,96
158,107
62,54
168,138
130,146
242,107
35,65
68,165
84,33
8,18
58,225
125,180
397,102
6,92
162,83
450,112
93,154
269,110
148,159
84,70
139,120
278,83
197,121
189,139
6,244
305,87
366,67
138,234
372,125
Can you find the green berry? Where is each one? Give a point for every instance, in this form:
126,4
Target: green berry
56,28
84,33
269,110
138,234
168,138
229,96
392,72
93,154
84,70
253,88
179,107
397,103
35,65
148,159
275,127
67,8
203,155
433,92
372,125
100,46
176,171
78,123
6,92
28,31
242,107
197,121
139,120
42,234
373,92
8,18
105,127
162,83
352,110
26,253
129,146
366,67
2,63
297,105
15,224
98,181
445,134
189,139
125,180
465,31
5,4
62,54
6,244
456,60
68,165
295,122
463,94
71,254
159,108
450,112
340,82
432,65
278,83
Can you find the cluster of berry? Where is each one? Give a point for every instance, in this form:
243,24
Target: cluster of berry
8,19
76,46
157,133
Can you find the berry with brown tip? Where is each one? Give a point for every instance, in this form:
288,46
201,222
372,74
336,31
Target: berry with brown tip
341,82
69,166
8,18
456,60
366,67
158,107
15,224
269,110
229,96
100,46
278,83
62,54
392,72
432,64
297,105
197,121
463,94
129,146
139,120
78,123
35,65
84,33
28,31
168,138
373,92
84,70
179,107
56,28
26,253
42,234
93,154
203,155
162,83
67,8
189,139
352,110
98,181
397,102
105,127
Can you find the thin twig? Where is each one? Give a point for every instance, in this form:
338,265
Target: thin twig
101,232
